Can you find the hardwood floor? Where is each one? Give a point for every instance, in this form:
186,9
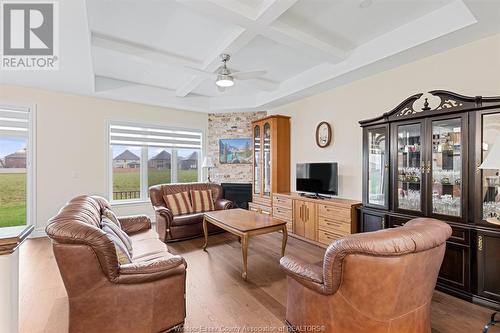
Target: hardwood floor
217,297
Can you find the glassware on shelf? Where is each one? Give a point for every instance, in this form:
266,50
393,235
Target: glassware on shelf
490,209
446,204
257,157
267,159
447,167
376,166
409,167
409,199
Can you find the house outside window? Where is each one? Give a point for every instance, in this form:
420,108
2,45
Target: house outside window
15,167
143,156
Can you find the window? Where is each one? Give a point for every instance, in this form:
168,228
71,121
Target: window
143,156
15,167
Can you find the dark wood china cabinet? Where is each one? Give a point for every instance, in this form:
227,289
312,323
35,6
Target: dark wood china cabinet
425,161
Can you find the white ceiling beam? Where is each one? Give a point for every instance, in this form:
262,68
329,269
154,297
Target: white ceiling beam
140,55
105,83
249,28
99,39
189,85
105,51
295,38
430,26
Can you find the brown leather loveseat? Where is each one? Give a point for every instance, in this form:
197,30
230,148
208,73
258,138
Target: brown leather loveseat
372,282
146,295
174,228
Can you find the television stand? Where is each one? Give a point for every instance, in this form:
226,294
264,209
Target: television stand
314,196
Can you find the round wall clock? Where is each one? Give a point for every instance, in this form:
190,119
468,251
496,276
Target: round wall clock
323,134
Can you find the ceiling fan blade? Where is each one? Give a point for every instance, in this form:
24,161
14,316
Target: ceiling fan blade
248,75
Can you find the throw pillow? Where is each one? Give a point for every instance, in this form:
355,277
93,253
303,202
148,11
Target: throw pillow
118,232
112,216
202,201
120,248
178,203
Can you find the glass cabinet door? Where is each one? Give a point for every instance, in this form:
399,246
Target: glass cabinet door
409,167
257,158
267,159
490,181
378,166
447,157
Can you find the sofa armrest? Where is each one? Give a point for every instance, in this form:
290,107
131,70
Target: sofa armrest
306,274
152,270
164,218
222,204
134,224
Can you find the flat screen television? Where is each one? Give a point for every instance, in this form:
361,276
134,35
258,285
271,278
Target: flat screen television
317,178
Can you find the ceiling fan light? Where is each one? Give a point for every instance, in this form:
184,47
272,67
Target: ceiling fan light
224,81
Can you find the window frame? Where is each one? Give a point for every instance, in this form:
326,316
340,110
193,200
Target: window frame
30,164
144,187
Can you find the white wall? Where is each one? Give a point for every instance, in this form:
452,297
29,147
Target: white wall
71,143
472,69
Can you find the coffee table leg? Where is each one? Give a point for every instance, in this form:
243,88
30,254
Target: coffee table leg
244,251
283,242
205,232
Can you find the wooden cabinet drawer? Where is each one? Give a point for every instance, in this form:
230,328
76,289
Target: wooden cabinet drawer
253,207
266,211
282,213
327,237
336,226
265,201
259,208
334,212
282,201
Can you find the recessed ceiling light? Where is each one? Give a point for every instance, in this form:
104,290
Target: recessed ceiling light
365,3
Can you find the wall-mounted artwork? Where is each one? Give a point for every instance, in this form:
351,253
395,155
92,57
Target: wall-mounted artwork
235,151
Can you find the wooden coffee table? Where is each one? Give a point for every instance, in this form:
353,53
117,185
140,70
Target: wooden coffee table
245,224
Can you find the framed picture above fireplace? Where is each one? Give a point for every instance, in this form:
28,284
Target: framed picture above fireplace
235,151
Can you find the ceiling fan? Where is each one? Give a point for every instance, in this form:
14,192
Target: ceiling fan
225,78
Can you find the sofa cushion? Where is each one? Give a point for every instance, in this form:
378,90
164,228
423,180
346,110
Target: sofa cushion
148,234
112,216
187,219
178,203
121,249
105,222
202,201
147,247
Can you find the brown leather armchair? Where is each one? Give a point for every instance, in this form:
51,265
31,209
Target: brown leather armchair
175,228
372,282
146,295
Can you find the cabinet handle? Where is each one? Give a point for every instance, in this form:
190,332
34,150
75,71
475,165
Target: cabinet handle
480,243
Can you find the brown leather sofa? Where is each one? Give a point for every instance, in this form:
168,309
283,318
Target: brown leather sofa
372,282
174,228
104,296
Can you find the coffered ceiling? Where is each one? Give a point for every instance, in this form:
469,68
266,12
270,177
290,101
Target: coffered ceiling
162,52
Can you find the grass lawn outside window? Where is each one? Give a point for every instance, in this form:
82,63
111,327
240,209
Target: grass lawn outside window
12,199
